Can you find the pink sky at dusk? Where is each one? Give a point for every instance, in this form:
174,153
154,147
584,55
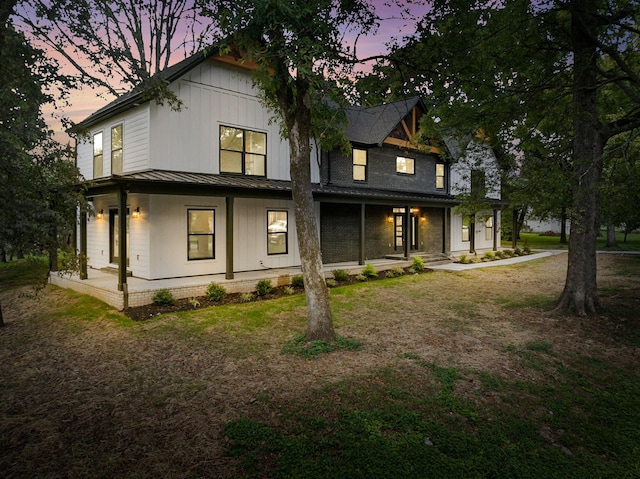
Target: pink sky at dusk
396,23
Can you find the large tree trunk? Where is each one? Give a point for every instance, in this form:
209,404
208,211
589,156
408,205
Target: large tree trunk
580,291
319,323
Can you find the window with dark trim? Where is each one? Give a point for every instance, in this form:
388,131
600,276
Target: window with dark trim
406,166
200,234
478,184
243,152
359,165
116,149
97,156
440,184
277,232
466,221
488,228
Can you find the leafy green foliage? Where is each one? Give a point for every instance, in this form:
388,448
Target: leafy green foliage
215,291
369,271
264,287
297,281
163,297
394,272
418,264
340,274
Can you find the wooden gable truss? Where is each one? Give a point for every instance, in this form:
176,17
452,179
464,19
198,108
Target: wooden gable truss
407,132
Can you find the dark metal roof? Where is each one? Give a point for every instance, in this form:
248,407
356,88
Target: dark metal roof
371,125
186,183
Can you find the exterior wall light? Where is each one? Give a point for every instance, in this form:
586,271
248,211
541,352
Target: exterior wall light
136,213
100,214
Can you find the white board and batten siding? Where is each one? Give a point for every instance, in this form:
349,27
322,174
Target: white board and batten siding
135,144
213,95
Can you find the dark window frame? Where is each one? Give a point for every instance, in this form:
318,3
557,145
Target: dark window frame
200,235
119,149
273,235
442,177
97,155
360,166
413,163
244,152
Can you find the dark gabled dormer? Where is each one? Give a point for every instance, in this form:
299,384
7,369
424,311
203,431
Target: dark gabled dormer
387,153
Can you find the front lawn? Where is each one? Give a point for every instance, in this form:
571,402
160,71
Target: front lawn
537,241
437,375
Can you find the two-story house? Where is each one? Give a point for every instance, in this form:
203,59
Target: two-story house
206,190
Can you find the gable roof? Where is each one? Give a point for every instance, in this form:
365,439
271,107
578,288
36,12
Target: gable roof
136,95
372,125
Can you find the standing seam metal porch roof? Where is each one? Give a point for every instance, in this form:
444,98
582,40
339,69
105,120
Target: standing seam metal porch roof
167,180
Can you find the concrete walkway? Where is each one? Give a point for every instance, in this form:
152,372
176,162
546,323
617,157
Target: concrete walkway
500,262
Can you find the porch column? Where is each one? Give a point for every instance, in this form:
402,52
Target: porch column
406,232
446,231
122,240
229,236
361,254
83,245
495,230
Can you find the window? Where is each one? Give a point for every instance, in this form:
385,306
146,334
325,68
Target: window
116,149
243,152
439,176
97,155
359,165
277,232
201,234
465,228
488,228
405,165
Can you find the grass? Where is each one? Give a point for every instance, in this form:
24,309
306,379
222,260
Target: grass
184,394
583,425
536,241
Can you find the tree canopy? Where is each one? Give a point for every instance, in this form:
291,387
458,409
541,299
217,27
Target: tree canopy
560,75
303,62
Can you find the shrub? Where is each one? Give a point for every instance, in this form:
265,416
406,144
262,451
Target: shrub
526,250
331,283
500,255
463,259
369,271
394,272
195,303
361,277
289,290
340,275
246,297
508,253
163,297
263,287
489,256
215,292
517,252
418,264
297,281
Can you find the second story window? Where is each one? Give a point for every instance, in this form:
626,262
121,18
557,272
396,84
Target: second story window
439,176
243,152
359,165
405,166
97,155
478,184
116,149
